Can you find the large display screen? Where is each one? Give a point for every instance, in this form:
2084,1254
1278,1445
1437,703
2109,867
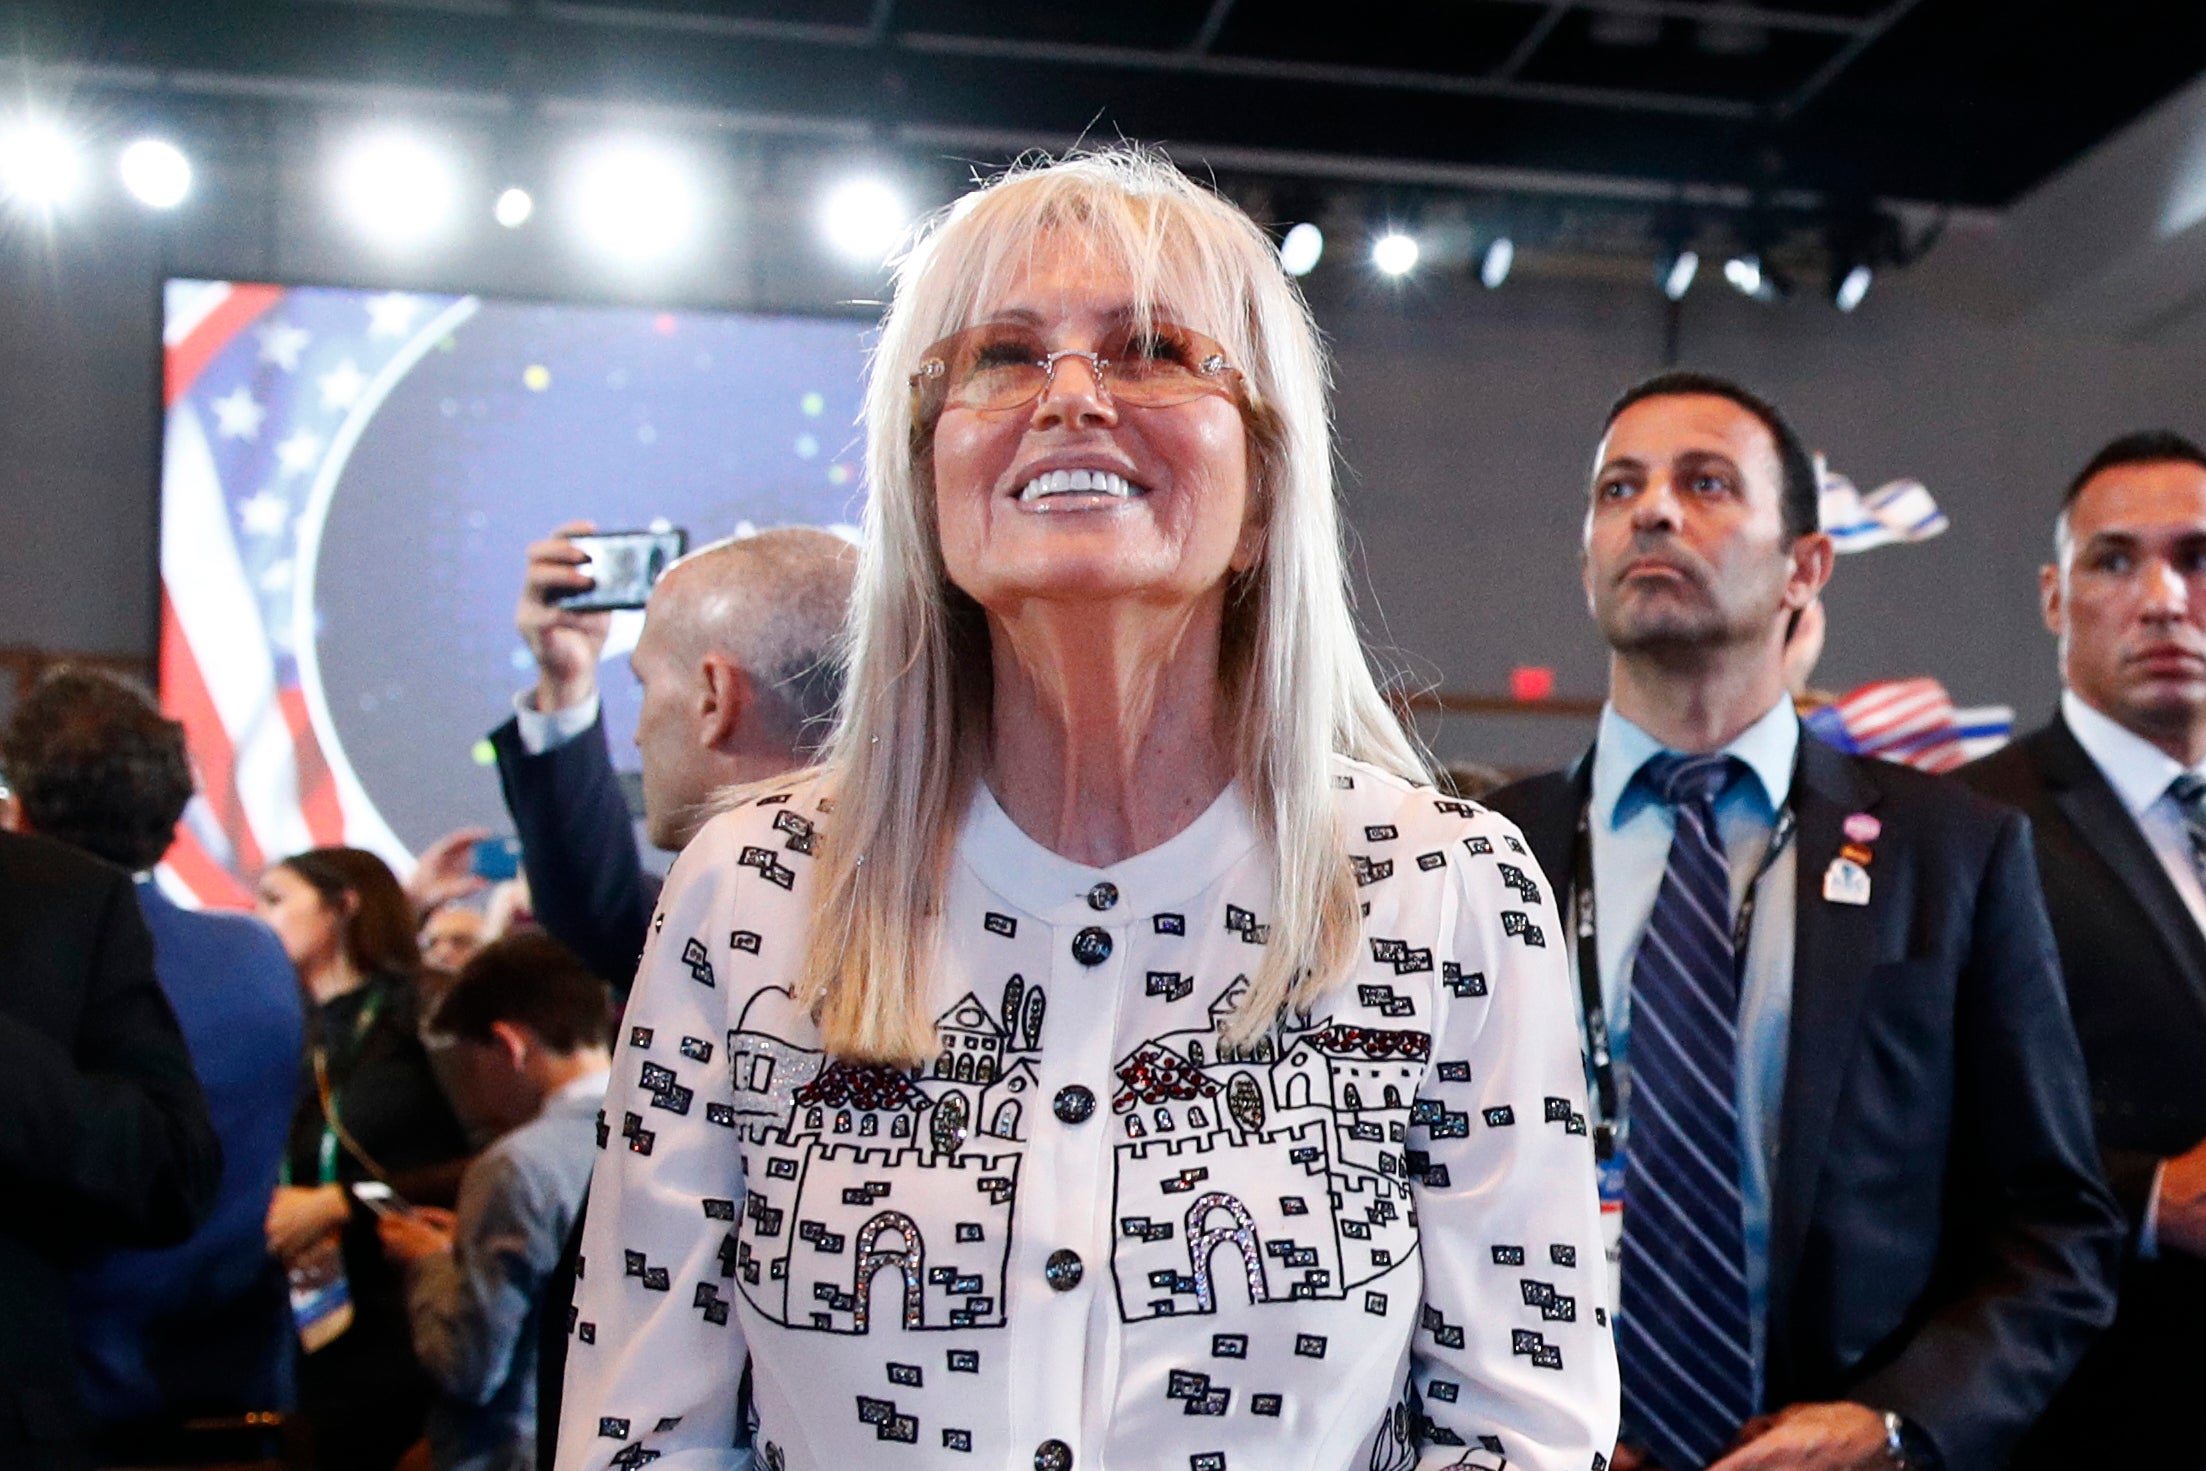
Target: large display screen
349,482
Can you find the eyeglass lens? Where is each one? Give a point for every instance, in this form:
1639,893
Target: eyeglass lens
994,367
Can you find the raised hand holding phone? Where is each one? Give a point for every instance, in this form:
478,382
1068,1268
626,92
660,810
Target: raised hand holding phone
565,643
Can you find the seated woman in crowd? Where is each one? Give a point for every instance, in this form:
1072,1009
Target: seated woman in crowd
1113,1054
369,1109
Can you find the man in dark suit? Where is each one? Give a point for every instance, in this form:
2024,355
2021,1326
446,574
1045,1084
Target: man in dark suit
1841,1111
202,1328
2112,786
104,1137
739,678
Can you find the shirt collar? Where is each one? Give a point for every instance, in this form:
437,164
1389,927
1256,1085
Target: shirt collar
1055,889
1769,748
590,1085
2138,770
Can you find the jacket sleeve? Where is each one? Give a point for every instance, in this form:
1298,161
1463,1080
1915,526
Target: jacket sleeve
1512,1356
110,1137
2036,1235
470,1306
655,1358
578,848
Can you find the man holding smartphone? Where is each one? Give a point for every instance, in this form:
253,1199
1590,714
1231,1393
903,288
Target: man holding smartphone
526,1033
739,683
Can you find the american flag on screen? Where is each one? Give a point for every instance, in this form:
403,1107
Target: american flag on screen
265,390
1912,722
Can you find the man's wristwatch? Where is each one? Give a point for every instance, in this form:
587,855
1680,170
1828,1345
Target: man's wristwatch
1907,1447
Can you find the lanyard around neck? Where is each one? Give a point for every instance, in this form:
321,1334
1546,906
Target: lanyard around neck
1582,910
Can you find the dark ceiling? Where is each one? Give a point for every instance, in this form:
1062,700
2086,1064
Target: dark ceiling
1965,102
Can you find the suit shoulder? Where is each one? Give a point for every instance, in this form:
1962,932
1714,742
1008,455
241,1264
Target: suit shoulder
1520,799
28,861
1937,798
2011,774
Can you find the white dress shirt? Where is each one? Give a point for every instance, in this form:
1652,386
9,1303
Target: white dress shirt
542,730
1631,831
1089,1234
2139,772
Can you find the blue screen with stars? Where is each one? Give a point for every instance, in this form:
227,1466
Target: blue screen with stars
350,480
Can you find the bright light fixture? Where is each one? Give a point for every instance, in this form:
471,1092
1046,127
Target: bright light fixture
1394,253
1493,266
40,165
156,173
1853,288
863,219
397,188
1300,251
635,201
1677,276
1744,272
513,208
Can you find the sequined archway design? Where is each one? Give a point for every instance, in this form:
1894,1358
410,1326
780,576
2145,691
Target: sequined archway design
1202,1240
910,1261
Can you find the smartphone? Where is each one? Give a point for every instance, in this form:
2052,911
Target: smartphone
495,859
380,1198
623,565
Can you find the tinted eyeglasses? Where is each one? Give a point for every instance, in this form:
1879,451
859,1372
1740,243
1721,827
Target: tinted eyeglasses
998,366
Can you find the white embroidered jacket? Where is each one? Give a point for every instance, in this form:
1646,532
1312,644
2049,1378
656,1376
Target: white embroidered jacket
1089,1235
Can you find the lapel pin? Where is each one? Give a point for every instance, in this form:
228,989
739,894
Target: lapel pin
1856,853
1845,882
1862,827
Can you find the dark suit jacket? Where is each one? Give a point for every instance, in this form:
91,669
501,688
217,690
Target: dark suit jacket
2136,967
205,1327
104,1136
1941,1243
578,847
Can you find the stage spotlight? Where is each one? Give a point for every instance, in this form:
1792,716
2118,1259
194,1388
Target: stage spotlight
398,189
1494,264
863,220
1852,287
1744,272
1675,273
40,165
1300,251
635,201
513,208
1394,253
156,173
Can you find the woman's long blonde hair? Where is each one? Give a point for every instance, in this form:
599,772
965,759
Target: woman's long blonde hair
914,723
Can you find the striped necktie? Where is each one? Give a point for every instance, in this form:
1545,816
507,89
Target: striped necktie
2188,792
1684,1335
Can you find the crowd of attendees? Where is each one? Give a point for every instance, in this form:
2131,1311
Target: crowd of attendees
309,1185
402,1077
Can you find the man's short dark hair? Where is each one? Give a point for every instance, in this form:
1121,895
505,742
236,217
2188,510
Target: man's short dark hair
528,980
1800,496
2143,447
97,765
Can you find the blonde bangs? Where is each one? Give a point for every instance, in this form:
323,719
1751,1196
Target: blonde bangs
913,726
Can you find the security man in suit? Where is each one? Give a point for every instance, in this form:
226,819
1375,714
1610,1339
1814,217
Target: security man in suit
1843,1122
2115,789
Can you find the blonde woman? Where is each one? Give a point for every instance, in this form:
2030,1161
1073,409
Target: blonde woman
1113,1055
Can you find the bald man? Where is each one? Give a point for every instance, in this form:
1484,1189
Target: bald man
739,683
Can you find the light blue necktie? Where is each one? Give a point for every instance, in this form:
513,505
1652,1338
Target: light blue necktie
1684,1332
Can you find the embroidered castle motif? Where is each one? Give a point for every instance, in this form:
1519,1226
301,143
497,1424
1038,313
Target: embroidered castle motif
1283,1170
821,1244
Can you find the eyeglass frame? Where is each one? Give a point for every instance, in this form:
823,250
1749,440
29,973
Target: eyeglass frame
1214,373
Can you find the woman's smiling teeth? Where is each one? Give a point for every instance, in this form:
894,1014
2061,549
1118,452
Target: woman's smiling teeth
1078,482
